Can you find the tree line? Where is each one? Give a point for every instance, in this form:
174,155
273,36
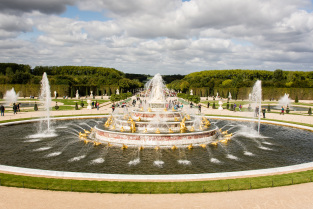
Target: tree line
213,79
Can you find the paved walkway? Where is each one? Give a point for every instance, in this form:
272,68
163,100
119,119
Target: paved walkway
295,196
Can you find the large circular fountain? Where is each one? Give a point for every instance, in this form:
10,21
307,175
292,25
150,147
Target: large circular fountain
156,124
152,142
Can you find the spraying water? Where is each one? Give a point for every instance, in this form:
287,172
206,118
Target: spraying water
257,99
284,101
156,87
45,96
11,97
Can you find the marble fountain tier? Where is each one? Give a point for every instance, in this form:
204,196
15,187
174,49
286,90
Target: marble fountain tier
153,128
155,125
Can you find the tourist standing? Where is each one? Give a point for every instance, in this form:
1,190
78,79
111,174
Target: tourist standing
240,106
14,108
235,107
97,105
282,110
263,111
208,104
199,106
2,110
113,107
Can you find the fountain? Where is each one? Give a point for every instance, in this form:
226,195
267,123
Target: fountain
11,97
256,97
154,141
45,97
284,101
155,125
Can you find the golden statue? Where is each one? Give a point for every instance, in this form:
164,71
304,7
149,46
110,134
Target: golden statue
122,129
113,127
170,131
183,126
108,122
145,131
188,117
149,109
190,147
206,122
157,131
132,125
192,128
176,119
174,147
139,119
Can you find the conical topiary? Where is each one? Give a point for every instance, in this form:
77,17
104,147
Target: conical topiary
76,106
310,111
36,107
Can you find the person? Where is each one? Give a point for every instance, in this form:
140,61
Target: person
113,107
235,107
208,104
191,105
14,108
263,111
240,106
199,106
18,107
2,110
97,105
282,110
256,112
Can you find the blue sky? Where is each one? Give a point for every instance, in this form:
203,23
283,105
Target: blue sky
165,36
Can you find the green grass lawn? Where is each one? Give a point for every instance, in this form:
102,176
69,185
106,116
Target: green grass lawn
78,101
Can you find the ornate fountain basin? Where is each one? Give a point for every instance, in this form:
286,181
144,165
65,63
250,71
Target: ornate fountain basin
161,140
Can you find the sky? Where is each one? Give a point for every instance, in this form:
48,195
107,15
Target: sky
159,36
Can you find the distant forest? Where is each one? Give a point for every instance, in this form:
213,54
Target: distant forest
100,80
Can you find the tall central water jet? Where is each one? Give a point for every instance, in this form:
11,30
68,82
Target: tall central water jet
45,96
155,89
257,98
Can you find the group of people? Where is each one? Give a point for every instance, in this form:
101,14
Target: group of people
95,105
16,108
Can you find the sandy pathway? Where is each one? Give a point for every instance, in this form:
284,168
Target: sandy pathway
296,196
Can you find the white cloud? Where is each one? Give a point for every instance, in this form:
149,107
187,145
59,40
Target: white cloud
167,36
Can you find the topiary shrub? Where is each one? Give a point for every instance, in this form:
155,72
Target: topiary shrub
82,104
227,106
310,111
296,100
231,106
268,108
36,107
213,105
56,107
76,106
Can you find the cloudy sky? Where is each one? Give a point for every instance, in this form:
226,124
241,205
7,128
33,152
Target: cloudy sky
166,36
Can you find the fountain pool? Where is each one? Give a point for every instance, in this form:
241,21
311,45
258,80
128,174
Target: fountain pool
276,146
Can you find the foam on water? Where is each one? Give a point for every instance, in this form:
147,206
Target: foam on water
33,140
134,162
42,149
97,161
158,163
264,148
267,143
233,157
248,153
53,154
78,158
214,160
43,135
184,162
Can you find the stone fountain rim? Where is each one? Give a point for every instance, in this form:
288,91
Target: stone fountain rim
168,177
